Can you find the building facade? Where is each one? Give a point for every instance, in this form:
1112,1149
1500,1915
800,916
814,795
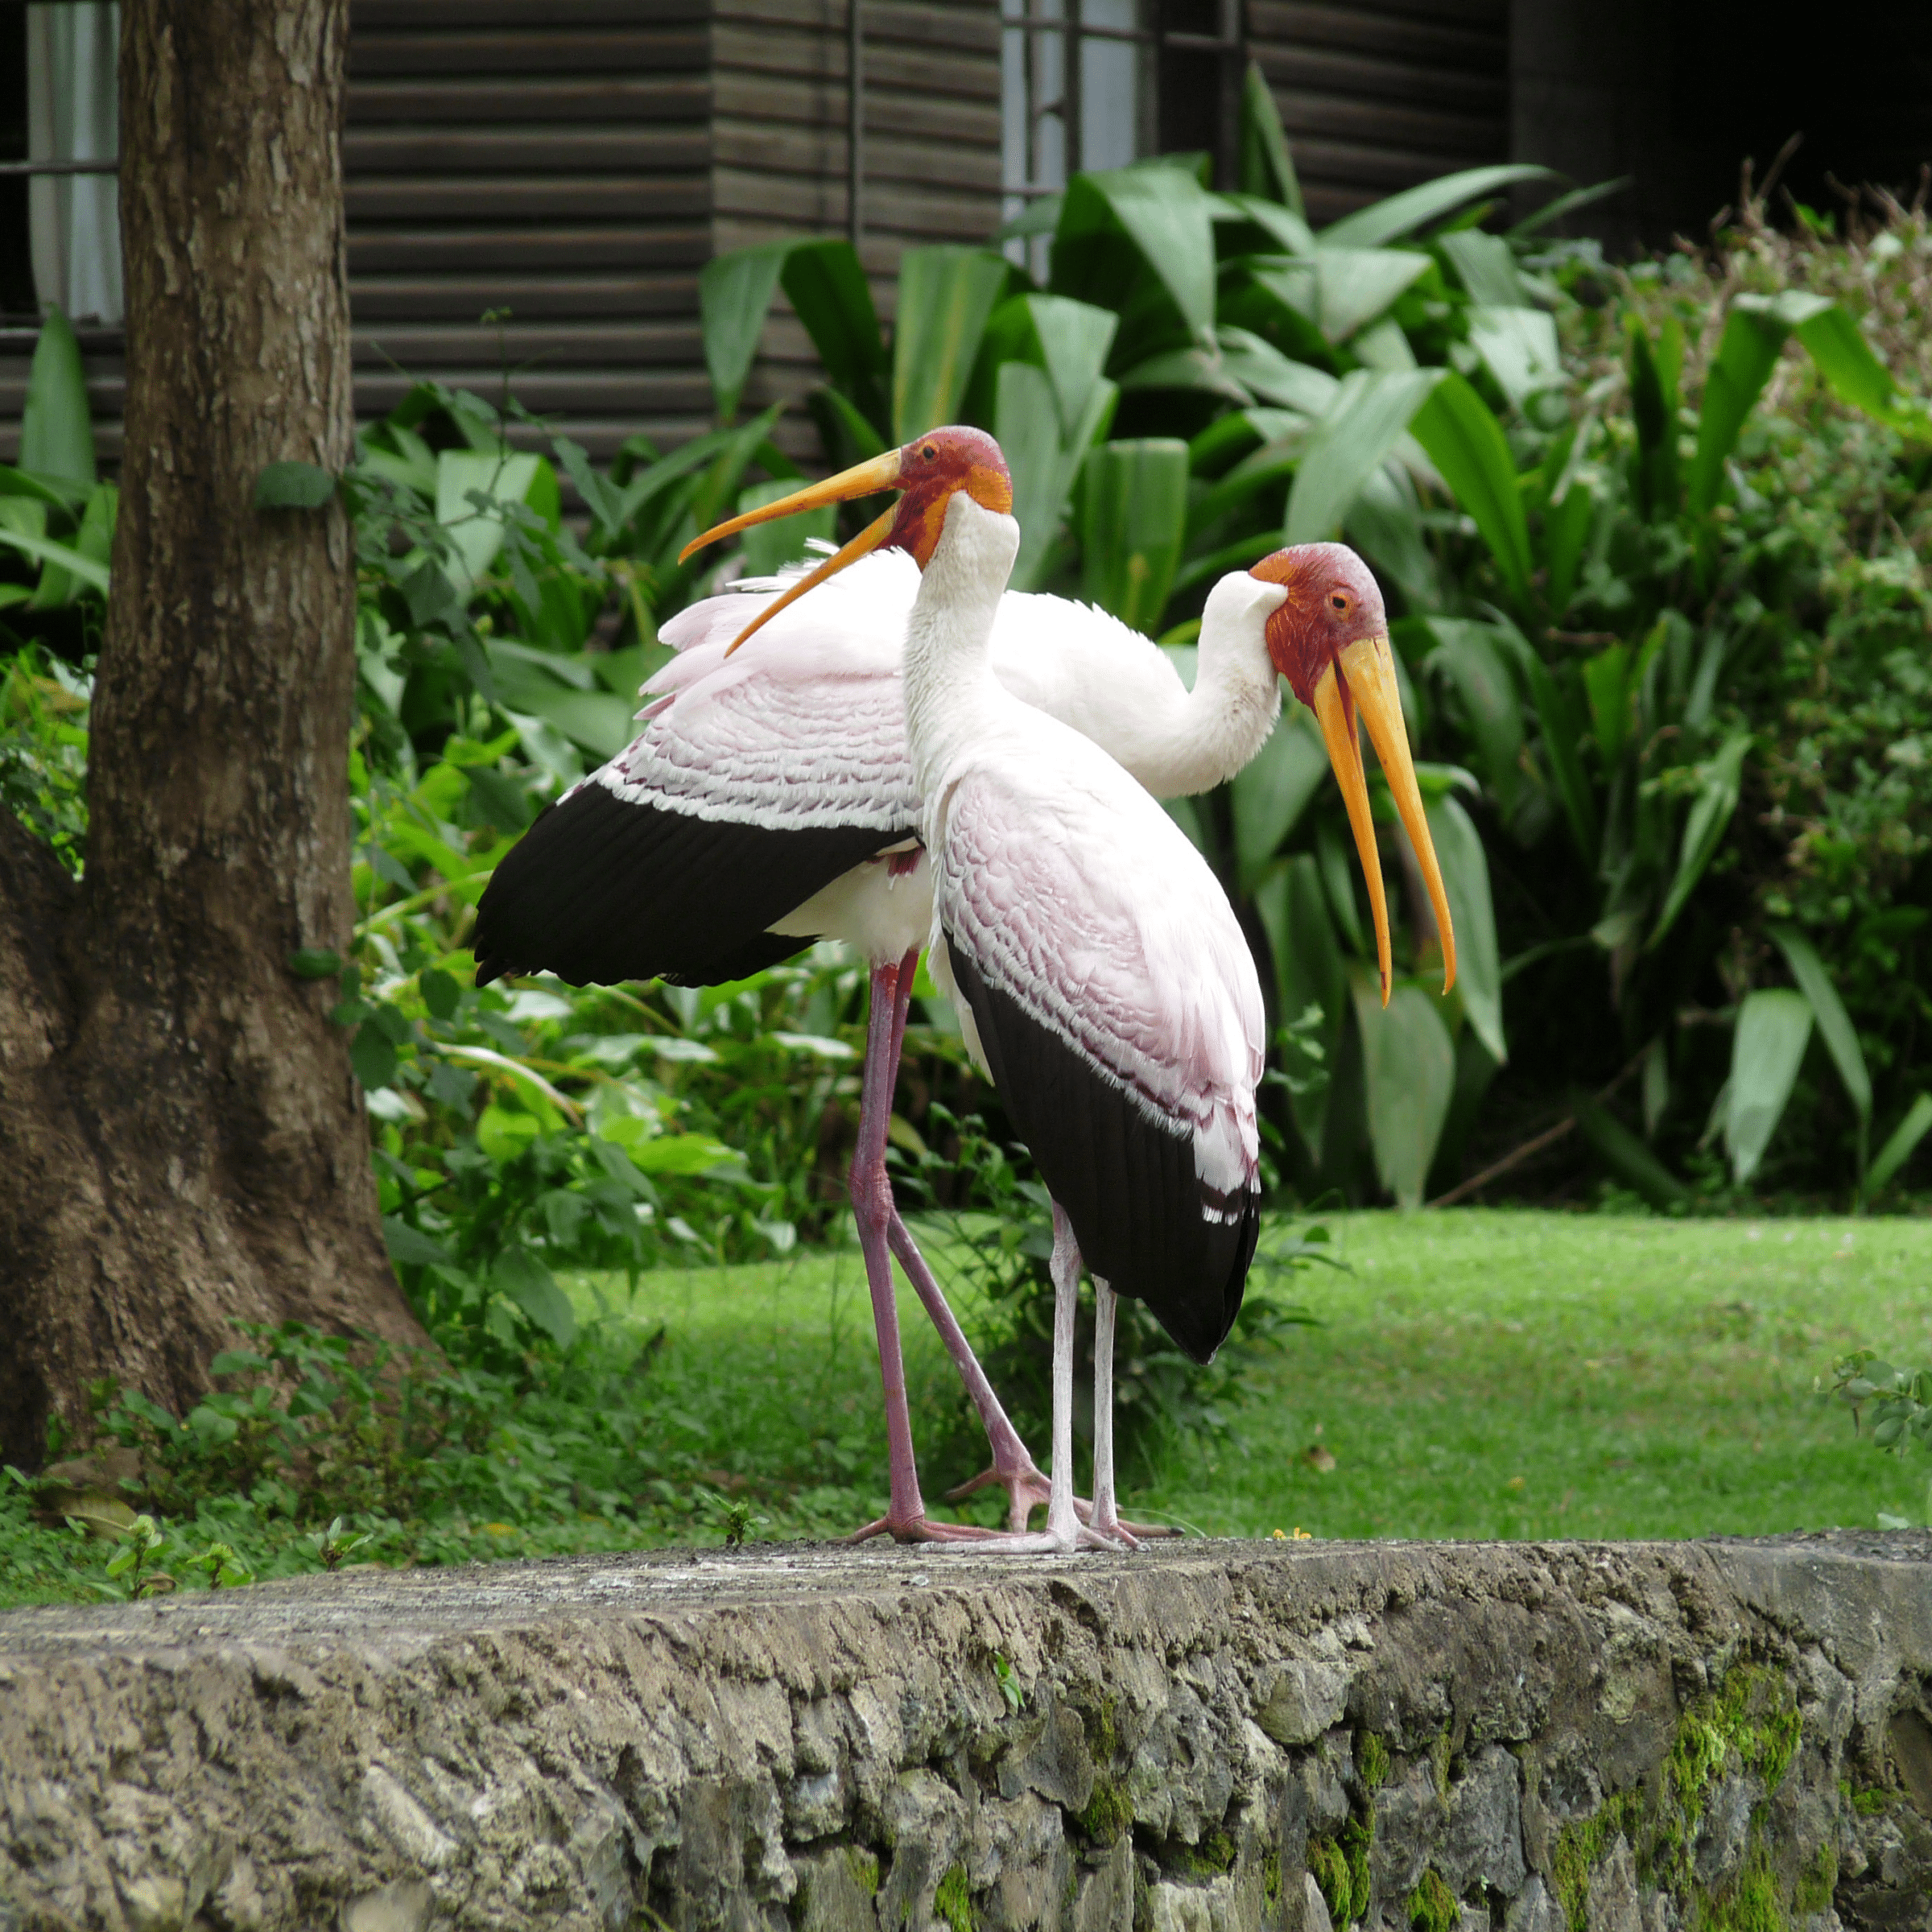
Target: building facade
533,185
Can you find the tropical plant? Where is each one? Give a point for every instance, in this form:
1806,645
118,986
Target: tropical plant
56,517
1201,377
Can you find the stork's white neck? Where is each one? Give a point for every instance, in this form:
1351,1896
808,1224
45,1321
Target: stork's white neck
951,695
1200,739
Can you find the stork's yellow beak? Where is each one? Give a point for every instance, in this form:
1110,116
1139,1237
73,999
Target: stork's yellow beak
1368,668
864,479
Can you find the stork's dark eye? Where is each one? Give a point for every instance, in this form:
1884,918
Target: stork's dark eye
931,454
1339,602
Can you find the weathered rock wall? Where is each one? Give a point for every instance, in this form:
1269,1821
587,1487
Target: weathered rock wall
1211,1737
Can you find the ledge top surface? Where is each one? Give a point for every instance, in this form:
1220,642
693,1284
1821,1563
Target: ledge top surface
356,1607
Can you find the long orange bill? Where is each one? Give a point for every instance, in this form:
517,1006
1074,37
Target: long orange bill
862,480
1335,715
1369,666
1370,669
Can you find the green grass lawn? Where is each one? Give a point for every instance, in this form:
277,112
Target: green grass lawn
1474,1374
1530,1375
1477,1374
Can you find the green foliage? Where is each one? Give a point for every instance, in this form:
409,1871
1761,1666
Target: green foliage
56,424
43,706
1010,1690
1630,611
1773,1028
127,1567
1899,1403
738,1519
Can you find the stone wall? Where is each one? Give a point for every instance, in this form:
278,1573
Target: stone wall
1209,1737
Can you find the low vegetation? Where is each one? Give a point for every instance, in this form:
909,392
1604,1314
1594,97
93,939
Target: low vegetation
1658,1379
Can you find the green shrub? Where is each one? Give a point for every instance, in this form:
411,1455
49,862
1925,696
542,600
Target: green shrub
1900,1405
1655,543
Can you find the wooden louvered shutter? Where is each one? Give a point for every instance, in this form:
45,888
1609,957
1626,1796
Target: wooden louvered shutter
929,155
548,157
1377,95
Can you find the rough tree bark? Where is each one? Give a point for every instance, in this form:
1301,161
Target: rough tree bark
182,1142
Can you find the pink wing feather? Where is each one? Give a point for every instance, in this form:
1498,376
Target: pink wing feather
1117,936
803,726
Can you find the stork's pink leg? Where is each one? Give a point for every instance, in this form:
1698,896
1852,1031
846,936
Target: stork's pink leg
906,1519
1013,1467
1106,1518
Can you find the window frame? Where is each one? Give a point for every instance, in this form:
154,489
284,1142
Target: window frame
1229,44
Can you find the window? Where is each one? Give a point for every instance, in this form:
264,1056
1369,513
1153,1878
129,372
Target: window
1096,84
67,125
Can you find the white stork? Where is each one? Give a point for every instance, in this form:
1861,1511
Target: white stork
771,800
1102,981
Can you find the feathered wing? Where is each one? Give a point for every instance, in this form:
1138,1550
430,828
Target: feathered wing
602,889
1115,1004
757,781
762,777
1074,661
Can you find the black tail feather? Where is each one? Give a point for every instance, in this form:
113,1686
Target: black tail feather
600,889
1129,1187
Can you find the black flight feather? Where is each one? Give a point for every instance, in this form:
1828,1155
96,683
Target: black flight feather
1129,1186
600,889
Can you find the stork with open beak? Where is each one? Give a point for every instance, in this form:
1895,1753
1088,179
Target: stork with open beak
1102,981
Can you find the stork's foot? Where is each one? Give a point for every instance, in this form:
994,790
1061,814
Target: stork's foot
922,1529
1027,1490
1046,1543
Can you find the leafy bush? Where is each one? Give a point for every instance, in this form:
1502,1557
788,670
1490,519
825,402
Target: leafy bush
43,703
1626,598
1899,1403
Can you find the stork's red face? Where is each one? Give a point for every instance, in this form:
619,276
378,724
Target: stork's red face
1330,640
1333,601
930,470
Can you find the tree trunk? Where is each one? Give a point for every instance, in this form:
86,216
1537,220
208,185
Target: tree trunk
182,1143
